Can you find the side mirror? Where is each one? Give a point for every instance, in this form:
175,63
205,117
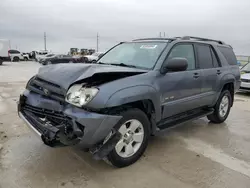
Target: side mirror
174,65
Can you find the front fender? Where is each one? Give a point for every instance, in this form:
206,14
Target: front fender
136,93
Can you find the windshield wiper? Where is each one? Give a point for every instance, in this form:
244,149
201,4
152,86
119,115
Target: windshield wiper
118,64
123,65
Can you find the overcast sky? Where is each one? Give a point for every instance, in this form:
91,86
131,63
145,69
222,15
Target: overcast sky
75,23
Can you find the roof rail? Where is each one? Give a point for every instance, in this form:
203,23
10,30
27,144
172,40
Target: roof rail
154,39
201,39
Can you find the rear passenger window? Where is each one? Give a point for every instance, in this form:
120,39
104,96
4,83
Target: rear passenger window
204,56
184,51
14,52
215,60
228,54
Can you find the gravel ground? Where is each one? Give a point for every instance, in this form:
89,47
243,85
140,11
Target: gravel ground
196,155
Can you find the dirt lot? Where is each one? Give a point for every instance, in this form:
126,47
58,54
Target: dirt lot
195,155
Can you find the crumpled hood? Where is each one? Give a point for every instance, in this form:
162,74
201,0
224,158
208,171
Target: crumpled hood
65,75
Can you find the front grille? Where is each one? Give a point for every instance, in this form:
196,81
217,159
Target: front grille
245,80
44,112
47,89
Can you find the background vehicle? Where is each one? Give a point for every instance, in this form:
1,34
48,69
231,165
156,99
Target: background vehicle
245,78
4,47
16,56
25,56
92,58
40,54
60,58
137,89
46,57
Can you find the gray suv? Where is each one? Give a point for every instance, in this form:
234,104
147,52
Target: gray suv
135,90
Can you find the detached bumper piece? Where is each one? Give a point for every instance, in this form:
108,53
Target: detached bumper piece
54,128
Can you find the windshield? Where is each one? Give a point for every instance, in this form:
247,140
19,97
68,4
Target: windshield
246,68
138,54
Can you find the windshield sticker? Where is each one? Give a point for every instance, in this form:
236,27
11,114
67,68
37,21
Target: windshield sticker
148,46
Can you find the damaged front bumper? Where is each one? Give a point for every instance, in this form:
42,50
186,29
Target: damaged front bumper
60,124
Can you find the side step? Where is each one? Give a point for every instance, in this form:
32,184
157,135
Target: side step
179,119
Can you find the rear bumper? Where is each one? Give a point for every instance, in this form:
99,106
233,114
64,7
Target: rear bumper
94,127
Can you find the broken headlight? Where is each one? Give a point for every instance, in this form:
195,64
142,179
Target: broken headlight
79,95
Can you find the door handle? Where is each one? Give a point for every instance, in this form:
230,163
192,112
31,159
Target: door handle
218,72
196,75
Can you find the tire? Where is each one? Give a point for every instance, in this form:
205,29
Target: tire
218,116
49,63
93,61
16,59
122,155
1,62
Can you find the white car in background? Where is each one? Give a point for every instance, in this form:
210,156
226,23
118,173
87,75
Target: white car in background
16,56
46,57
92,58
40,55
245,78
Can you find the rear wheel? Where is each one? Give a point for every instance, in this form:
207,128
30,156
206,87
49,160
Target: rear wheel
222,108
16,59
134,128
1,62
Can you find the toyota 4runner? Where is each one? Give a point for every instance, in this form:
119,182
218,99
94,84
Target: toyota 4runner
135,90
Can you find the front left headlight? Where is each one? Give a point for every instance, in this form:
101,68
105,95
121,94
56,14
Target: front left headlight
79,95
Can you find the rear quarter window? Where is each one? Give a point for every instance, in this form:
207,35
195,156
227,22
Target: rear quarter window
228,54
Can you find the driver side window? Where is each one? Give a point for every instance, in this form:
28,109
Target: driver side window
184,51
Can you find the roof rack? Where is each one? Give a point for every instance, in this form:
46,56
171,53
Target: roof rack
201,39
154,39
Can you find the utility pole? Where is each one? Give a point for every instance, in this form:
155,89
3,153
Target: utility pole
164,34
97,42
9,44
160,34
45,41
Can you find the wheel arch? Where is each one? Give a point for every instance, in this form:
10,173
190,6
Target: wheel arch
143,97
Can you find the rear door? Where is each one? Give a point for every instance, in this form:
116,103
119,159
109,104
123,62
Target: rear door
210,72
180,90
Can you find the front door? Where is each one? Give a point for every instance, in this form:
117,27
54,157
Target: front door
180,90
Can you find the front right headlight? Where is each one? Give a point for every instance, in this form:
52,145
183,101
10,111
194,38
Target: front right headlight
79,95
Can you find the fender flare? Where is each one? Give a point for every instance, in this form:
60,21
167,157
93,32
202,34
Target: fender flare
134,94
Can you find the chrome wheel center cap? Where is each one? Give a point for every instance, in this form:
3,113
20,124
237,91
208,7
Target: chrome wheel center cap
128,137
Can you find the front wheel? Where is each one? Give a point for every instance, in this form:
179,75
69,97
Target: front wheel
222,108
135,130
